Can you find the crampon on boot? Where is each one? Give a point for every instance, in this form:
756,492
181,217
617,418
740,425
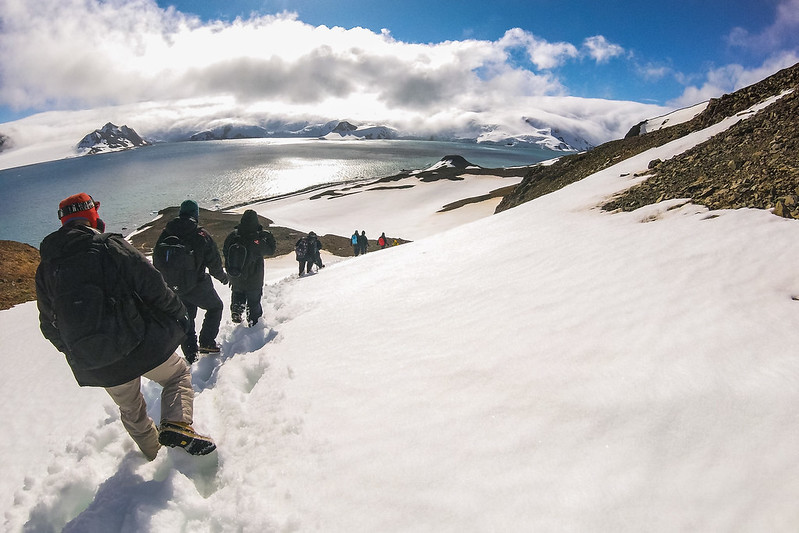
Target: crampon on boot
180,435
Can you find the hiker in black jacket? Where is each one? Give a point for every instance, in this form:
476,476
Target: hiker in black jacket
108,310
247,278
317,250
202,294
308,254
363,242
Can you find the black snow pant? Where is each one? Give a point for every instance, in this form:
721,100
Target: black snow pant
307,264
249,301
202,296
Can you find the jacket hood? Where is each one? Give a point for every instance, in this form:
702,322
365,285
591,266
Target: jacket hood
181,226
249,222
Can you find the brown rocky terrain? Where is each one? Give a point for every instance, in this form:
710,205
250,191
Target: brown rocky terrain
18,264
752,164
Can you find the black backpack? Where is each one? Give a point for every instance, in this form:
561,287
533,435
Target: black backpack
174,259
236,258
96,314
301,249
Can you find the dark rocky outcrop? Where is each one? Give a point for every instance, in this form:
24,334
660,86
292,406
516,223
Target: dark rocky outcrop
457,161
344,127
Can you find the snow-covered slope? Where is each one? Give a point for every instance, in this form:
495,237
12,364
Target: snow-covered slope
553,367
669,119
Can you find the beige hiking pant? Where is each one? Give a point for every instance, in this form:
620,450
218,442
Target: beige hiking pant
177,402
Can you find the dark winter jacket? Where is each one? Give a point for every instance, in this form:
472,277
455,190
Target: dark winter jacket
314,248
259,243
121,270
363,242
206,252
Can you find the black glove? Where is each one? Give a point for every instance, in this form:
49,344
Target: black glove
225,280
185,323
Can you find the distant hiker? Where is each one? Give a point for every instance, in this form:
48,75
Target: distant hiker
307,252
363,242
244,250
108,310
395,243
182,254
317,248
356,247
382,241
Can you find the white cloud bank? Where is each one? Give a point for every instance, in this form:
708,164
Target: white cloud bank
86,53
162,71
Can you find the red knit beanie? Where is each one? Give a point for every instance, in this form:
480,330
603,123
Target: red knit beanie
78,206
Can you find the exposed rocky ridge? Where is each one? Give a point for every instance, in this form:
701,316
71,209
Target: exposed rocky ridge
773,174
344,127
749,165
110,138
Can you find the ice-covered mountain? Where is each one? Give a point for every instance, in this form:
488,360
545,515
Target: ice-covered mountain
533,132
230,131
329,130
347,130
110,138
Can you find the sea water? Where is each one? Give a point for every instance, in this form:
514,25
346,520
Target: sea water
133,185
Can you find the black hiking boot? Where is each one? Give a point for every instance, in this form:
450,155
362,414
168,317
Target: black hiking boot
180,435
211,347
191,357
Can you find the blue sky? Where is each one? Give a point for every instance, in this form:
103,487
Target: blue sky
382,60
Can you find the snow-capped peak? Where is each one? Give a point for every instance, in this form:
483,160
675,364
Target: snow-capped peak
110,138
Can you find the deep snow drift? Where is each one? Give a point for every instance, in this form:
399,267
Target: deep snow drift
553,367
